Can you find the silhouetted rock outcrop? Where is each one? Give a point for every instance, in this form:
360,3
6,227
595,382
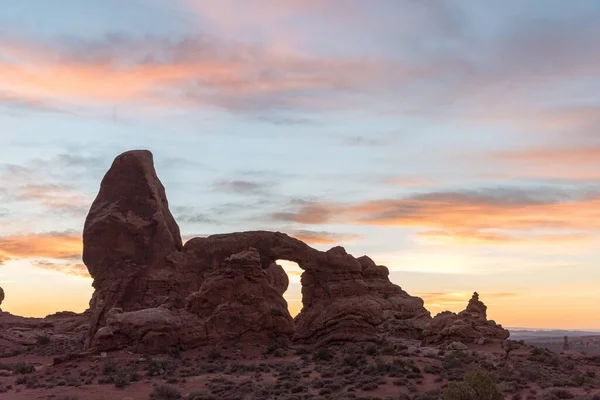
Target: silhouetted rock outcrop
127,235
468,326
153,293
1,296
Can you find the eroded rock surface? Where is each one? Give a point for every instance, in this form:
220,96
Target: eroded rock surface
55,334
238,303
468,326
229,286
127,236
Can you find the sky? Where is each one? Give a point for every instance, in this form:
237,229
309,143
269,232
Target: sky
454,142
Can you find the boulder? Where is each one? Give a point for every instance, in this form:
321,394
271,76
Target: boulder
468,326
151,330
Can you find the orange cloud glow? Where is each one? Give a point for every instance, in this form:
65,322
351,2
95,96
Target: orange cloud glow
566,155
191,73
478,237
457,301
311,237
56,251
463,217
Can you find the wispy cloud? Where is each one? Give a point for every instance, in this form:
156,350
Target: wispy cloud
54,196
403,180
321,237
491,238
186,73
242,186
484,216
72,269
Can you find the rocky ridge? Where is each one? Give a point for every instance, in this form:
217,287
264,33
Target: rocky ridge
468,326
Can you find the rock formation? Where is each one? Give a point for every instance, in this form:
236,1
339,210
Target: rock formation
468,326
62,333
1,296
153,293
238,303
127,235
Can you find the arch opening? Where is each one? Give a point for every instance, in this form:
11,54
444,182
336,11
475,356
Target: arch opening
293,293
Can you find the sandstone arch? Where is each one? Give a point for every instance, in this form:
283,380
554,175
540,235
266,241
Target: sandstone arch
144,278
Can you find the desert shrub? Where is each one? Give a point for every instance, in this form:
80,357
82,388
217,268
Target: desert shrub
30,381
433,369
103,380
475,386
43,340
355,360
557,393
578,379
109,368
537,351
213,355
367,387
23,368
200,396
161,366
484,386
591,373
121,381
323,354
372,350
164,392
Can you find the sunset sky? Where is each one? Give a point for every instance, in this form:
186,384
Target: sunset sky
456,142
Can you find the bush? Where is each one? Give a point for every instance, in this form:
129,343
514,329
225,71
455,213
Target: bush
164,392
161,366
23,368
459,391
557,393
475,386
43,340
121,381
323,354
109,369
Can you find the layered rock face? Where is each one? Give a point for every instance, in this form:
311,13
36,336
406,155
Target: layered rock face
239,303
468,326
153,293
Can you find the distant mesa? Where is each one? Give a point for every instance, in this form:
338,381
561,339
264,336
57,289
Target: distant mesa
468,326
